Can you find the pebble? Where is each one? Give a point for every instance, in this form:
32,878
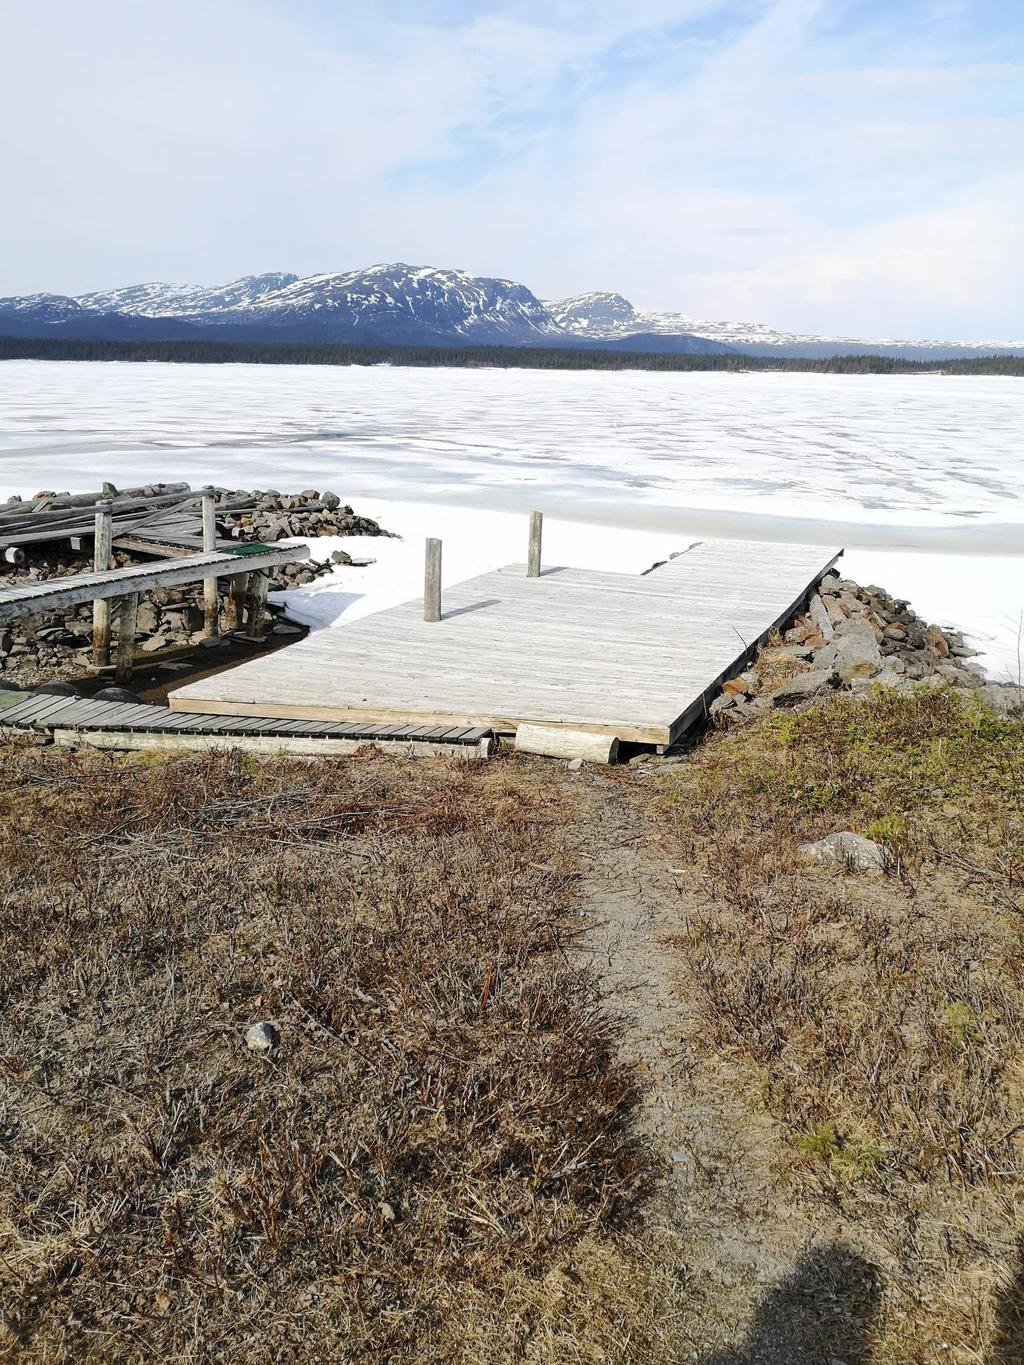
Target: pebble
262,1038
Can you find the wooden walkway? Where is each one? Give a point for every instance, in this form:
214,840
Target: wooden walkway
634,657
30,596
125,725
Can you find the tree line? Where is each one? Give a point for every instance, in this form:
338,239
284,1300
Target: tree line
483,357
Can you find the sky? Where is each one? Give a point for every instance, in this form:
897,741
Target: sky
849,167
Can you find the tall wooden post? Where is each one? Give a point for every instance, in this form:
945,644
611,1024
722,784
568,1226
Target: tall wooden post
432,582
211,605
127,618
101,561
533,555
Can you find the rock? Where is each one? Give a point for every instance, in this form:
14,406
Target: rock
820,619
857,652
340,557
575,764
154,643
744,685
937,641
721,703
1003,698
122,694
847,850
148,618
57,689
285,628
786,652
803,685
330,501
262,1038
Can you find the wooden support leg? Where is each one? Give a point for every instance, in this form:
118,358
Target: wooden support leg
101,560
236,601
258,583
211,602
127,618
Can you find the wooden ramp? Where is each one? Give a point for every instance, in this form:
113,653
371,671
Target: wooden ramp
128,725
635,657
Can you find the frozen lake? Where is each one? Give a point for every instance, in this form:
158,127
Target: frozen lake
921,477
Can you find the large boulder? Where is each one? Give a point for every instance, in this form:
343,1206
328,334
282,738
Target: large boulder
856,651
1003,698
846,850
804,685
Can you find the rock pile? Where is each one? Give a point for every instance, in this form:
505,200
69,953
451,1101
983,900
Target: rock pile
851,637
276,516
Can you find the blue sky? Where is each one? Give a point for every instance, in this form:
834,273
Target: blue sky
840,166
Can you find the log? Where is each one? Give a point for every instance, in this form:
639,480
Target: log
555,741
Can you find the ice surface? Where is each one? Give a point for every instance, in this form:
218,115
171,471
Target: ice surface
921,477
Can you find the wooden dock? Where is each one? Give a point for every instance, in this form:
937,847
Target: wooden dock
635,657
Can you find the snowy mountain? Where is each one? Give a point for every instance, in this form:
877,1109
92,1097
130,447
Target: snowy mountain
411,305
610,317
185,300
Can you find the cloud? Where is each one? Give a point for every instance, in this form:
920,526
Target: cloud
833,166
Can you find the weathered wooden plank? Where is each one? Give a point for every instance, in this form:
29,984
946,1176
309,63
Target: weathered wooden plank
25,599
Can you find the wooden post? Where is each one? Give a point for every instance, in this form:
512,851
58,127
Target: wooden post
127,617
211,604
432,582
101,561
258,584
236,601
533,556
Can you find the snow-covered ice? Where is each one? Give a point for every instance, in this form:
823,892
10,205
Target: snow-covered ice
921,477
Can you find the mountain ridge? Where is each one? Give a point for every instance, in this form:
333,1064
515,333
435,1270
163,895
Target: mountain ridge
395,303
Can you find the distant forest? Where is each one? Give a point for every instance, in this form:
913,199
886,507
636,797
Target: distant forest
481,357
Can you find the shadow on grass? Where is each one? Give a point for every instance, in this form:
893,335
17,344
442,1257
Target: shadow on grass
1008,1338
820,1313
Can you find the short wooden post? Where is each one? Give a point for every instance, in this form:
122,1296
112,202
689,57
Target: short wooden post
533,556
127,618
236,601
258,584
211,604
432,581
101,561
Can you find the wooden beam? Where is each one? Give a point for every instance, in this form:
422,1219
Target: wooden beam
432,581
101,562
258,585
26,598
533,552
127,619
239,586
211,602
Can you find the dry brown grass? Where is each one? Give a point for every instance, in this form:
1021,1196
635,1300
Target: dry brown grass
880,1024
446,1120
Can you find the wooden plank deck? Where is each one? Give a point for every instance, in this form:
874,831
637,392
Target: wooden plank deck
635,657
31,596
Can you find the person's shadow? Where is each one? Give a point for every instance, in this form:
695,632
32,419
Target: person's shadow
1008,1337
820,1313
823,1313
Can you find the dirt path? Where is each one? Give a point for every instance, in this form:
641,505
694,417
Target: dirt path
770,1284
